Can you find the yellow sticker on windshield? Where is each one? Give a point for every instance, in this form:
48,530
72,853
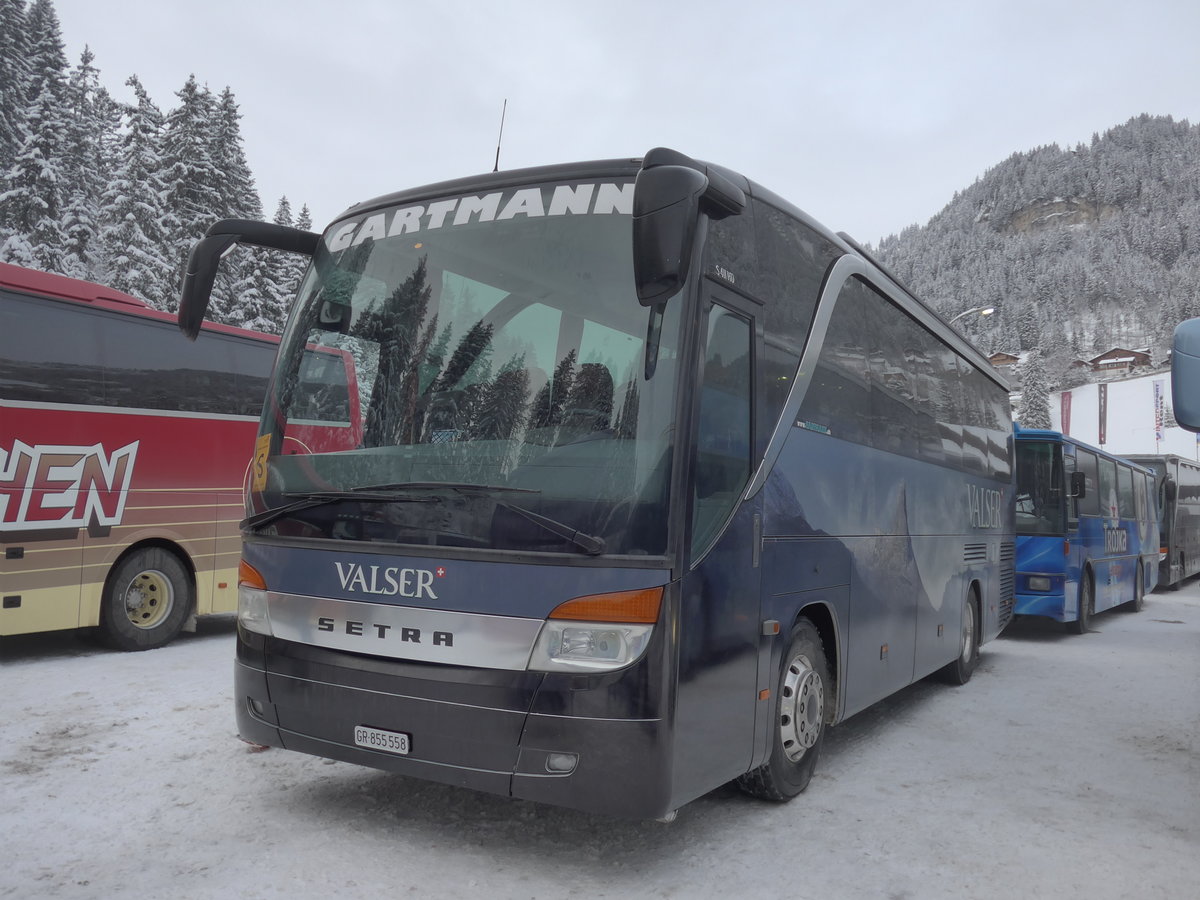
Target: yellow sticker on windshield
262,448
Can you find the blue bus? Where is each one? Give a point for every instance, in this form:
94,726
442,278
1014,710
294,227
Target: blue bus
657,479
1087,530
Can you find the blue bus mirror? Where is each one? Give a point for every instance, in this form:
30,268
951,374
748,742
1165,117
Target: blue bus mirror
1078,485
1185,374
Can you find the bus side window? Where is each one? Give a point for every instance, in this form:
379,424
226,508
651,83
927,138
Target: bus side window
1125,493
1108,489
1139,492
1086,462
723,441
1068,463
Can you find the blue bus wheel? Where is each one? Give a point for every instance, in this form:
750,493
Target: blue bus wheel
802,707
1087,606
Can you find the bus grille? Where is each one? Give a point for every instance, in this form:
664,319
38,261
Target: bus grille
975,553
1008,554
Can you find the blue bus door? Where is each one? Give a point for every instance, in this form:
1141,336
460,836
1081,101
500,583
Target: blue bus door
719,601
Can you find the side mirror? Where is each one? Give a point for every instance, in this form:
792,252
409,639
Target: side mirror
1078,485
670,191
666,209
1185,374
218,243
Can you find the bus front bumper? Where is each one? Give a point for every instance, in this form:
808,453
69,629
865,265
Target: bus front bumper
1048,605
482,736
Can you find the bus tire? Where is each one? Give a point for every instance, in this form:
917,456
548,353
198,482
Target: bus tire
962,668
1139,593
146,600
1087,605
801,700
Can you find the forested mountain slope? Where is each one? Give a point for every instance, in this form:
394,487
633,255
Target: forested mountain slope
1078,250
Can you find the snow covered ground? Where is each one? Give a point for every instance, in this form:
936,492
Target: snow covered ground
1068,767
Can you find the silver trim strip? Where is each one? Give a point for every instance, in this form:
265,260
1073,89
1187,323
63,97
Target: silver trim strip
402,632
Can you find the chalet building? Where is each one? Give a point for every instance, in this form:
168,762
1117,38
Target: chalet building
1005,362
1119,361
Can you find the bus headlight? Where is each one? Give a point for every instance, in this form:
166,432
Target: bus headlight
253,612
597,633
1038,583
588,646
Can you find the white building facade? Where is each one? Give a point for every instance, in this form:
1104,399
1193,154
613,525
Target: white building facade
1123,417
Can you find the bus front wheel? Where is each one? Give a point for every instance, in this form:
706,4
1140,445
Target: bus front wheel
802,696
146,601
1087,606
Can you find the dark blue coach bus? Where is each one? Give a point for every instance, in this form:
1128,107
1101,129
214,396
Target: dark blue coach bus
658,479
1087,530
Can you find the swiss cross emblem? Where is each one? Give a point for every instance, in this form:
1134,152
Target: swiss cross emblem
440,571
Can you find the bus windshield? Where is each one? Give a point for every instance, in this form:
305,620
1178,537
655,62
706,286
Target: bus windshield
502,387
1041,499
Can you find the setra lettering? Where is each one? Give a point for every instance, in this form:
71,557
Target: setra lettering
379,631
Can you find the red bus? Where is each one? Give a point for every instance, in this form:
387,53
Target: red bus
124,450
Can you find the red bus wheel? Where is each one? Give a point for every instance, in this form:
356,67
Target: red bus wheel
146,601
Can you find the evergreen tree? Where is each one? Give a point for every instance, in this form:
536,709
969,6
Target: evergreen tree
14,82
88,167
191,177
235,184
284,271
31,204
137,226
1034,409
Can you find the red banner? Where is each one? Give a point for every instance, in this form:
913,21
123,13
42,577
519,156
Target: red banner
1103,412
1065,413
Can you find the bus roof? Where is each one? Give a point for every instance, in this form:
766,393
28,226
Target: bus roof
1046,434
60,287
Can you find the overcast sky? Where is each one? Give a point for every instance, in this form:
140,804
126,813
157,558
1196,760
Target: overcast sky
868,115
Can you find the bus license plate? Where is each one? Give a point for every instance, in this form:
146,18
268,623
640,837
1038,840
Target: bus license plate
377,739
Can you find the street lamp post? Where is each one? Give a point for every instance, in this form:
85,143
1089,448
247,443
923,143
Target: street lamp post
982,310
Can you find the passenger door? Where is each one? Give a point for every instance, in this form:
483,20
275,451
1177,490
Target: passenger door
720,615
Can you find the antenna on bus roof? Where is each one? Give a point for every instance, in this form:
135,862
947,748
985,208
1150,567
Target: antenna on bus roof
503,110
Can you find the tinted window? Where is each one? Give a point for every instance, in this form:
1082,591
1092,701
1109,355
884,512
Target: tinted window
1086,462
723,437
1108,488
57,352
1125,493
839,396
791,264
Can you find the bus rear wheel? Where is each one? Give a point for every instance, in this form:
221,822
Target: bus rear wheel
146,601
1087,606
801,700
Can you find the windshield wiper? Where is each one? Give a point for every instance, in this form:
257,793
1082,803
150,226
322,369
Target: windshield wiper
589,543
311,499
465,487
